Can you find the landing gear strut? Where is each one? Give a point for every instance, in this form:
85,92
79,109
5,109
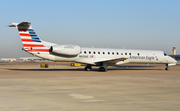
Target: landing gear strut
88,68
167,68
103,67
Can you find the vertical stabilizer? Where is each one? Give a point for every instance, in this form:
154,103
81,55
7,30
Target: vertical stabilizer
29,38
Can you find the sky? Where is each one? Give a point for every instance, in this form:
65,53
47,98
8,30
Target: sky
129,24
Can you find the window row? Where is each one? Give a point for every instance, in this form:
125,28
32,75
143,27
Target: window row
117,53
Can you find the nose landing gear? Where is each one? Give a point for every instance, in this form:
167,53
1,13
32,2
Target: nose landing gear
167,67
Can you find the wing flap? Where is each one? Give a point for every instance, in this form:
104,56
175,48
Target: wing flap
111,61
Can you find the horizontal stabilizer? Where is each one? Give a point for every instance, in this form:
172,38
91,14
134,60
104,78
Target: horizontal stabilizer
22,24
12,25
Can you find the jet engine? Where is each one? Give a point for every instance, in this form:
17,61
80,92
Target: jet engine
70,50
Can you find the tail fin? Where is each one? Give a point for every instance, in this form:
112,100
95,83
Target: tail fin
29,38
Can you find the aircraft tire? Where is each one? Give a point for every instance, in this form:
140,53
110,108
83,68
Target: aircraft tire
102,69
167,69
87,68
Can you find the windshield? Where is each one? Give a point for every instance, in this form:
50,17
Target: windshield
165,54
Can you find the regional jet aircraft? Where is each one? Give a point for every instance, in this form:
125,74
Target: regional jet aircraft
100,57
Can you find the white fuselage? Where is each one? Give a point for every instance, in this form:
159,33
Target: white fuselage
92,55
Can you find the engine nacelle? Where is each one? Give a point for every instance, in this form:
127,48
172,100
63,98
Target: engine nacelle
71,50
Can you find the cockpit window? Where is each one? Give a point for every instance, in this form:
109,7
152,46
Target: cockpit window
165,54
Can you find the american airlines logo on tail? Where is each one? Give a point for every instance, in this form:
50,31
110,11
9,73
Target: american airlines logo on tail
30,40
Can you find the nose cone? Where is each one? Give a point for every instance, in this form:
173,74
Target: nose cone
172,60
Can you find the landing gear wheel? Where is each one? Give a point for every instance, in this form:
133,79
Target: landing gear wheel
167,69
87,68
102,69
99,69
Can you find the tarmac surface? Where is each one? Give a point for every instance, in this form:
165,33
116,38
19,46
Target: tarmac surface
24,86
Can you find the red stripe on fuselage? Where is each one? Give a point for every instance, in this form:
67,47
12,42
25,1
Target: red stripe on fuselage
24,34
31,45
27,40
38,50
23,29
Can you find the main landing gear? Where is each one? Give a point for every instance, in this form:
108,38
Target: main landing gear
167,67
88,68
103,67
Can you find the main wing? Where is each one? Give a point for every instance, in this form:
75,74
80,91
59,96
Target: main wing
112,61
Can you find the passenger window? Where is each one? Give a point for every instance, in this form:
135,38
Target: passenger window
89,52
108,52
121,53
98,52
103,52
125,53
112,53
94,52
138,54
84,52
129,53
117,53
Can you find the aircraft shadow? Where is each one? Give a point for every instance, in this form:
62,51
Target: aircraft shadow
48,69
124,66
94,69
